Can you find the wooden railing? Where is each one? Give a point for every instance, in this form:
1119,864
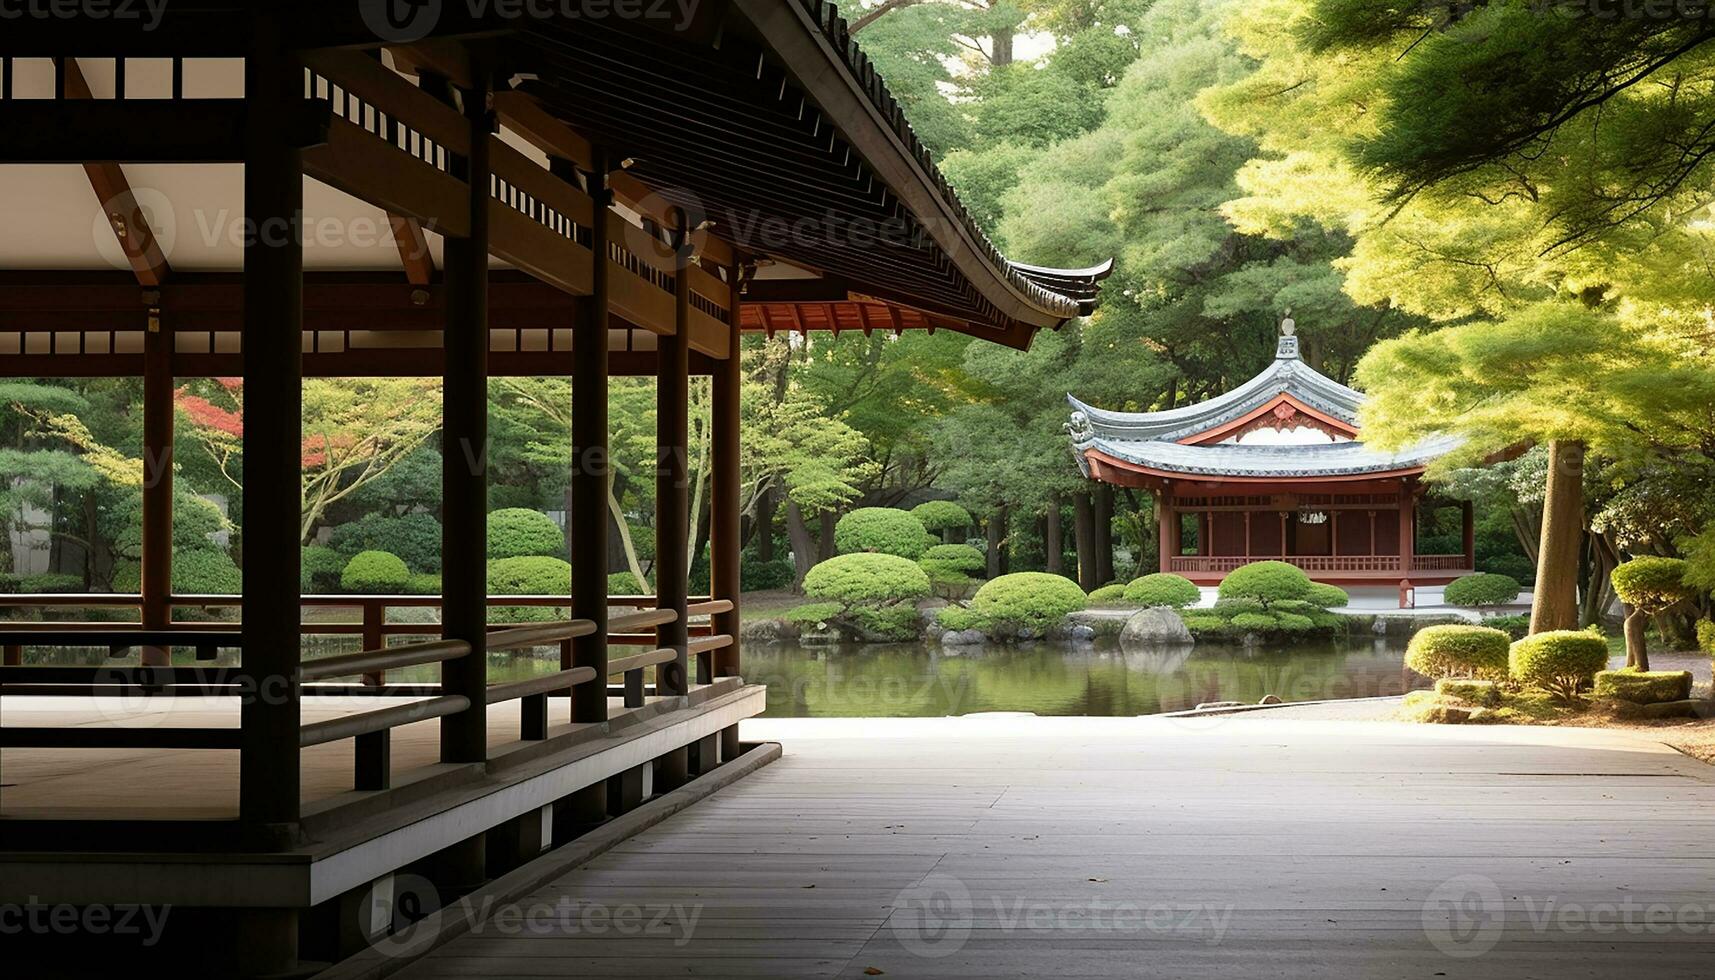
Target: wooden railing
1387,564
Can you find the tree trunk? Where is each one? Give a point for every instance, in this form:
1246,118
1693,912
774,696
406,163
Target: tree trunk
765,526
997,543
1104,529
1002,45
1083,539
803,547
1051,537
1637,653
825,547
1555,604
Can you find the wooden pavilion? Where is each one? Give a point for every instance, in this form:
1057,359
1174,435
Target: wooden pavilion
560,195
1274,469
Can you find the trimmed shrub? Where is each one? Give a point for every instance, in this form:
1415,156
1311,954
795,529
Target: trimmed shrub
1650,583
1266,582
196,571
321,569
867,578
814,613
1163,589
1459,651
48,583
427,583
415,538
1706,637
1644,687
625,583
954,557
889,621
1294,622
1481,590
1232,607
1561,662
374,572
521,533
1253,622
1324,596
528,575
1486,693
1109,595
883,530
942,515
1205,624
1028,600
958,618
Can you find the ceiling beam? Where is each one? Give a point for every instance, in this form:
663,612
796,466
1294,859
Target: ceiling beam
113,192
413,249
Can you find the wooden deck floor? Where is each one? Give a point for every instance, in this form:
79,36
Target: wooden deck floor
998,847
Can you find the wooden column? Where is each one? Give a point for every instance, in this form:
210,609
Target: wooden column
1247,535
1168,529
464,459
157,577
587,523
273,442
1407,532
1334,533
1104,502
1205,542
1053,541
725,541
1468,532
1083,537
672,478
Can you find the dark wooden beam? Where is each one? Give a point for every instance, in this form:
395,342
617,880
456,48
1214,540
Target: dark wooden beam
672,482
118,203
413,248
591,468
726,487
146,130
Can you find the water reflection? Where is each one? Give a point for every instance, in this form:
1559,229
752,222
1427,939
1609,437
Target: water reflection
923,680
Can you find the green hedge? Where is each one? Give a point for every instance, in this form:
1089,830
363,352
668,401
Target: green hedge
958,618
882,530
954,557
1480,590
942,515
1562,662
1109,595
528,575
1253,622
1644,687
1027,600
517,532
756,575
1454,650
415,538
424,583
196,571
626,583
1517,627
1266,582
814,613
321,568
1706,637
376,572
1486,693
1163,589
866,578
1324,596
41,583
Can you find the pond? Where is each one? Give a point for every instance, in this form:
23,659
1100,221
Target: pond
925,680
907,680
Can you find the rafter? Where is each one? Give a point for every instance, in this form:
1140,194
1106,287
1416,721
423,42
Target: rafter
124,215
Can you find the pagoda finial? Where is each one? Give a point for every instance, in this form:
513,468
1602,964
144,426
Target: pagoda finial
1288,347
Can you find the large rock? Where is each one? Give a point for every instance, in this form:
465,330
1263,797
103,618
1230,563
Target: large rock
1154,627
767,631
963,638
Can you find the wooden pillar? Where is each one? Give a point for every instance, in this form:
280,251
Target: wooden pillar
464,435
1334,533
672,477
1083,535
1285,552
1168,529
1104,533
725,486
1053,539
1247,535
273,441
1468,532
588,520
1372,533
157,577
1205,537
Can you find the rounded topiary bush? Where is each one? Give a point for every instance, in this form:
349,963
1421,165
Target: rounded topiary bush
528,575
627,583
1481,590
1706,637
428,583
206,571
1294,622
375,572
320,569
415,538
866,578
882,530
954,558
1112,594
1459,651
1266,582
756,575
1651,583
1254,622
1163,589
942,515
517,532
1561,662
1028,600
1324,596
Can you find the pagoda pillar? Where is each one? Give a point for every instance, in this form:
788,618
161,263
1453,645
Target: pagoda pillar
1168,530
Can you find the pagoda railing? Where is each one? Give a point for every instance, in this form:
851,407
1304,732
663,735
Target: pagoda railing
1373,564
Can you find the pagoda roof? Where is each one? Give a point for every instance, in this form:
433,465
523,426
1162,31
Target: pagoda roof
1165,443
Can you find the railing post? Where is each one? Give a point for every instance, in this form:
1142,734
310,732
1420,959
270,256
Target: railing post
586,523
13,656
725,488
273,392
464,466
672,474
374,614
374,760
533,717
157,565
